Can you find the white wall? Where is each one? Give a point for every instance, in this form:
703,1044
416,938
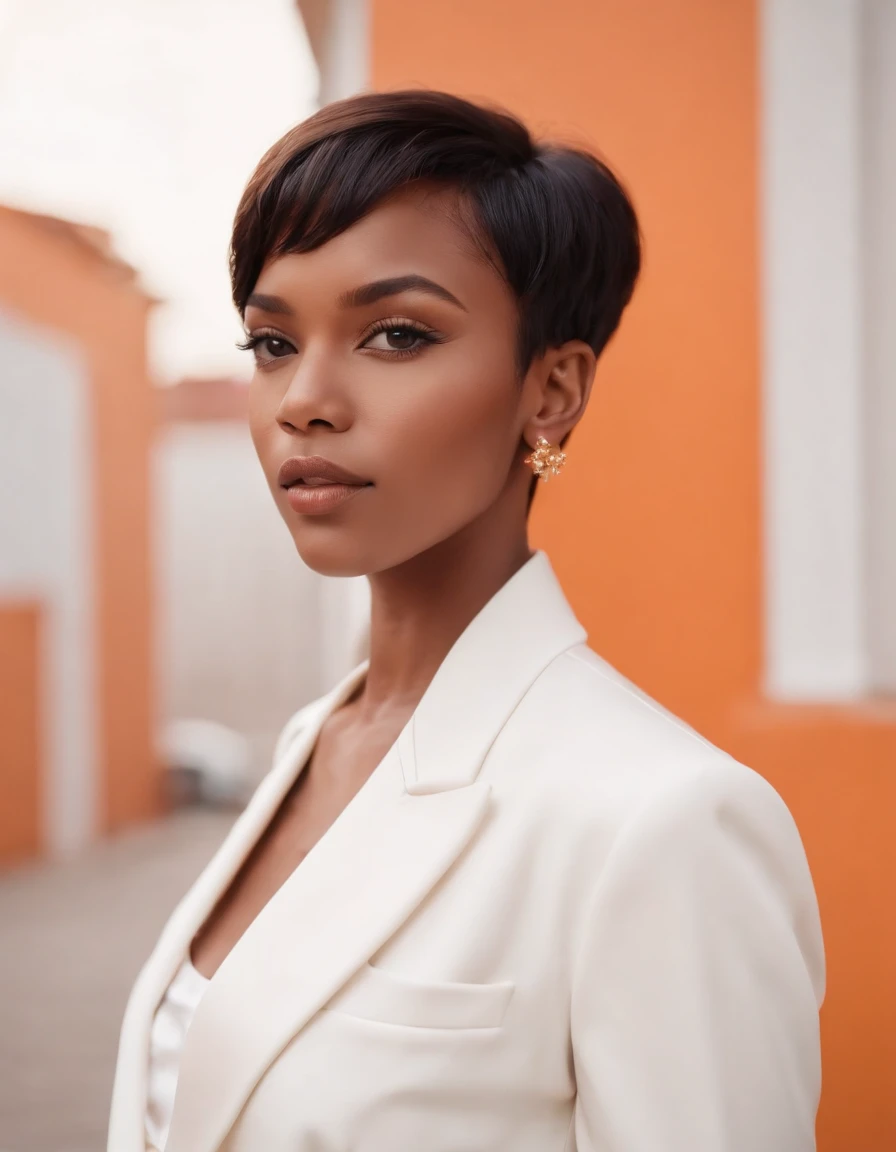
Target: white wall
240,614
46,553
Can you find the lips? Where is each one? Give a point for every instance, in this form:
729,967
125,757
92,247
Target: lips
315,486
316,471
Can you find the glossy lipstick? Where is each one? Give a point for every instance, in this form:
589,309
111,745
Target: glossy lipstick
315,485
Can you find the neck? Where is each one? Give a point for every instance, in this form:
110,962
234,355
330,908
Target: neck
421,607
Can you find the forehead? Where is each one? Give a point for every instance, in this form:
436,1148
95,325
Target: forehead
422,231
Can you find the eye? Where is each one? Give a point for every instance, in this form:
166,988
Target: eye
274,346
399,338
266,347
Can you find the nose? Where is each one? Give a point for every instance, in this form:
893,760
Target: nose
314,398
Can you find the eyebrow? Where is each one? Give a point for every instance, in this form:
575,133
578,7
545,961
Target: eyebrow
273,304
365,295
394,286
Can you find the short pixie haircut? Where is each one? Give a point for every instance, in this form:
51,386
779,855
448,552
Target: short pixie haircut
555,221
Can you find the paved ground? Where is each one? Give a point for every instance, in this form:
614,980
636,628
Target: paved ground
72,938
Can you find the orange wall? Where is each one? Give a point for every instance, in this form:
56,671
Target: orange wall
52,278
21,795
656,527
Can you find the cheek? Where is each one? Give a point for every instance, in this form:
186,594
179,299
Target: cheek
457,433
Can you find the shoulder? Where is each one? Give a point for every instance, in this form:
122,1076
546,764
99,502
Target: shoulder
607,752
649,809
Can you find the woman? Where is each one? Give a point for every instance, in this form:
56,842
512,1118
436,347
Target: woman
490,896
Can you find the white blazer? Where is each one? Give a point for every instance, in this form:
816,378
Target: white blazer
553,919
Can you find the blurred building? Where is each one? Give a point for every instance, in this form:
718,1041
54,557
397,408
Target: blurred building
77,676
145,576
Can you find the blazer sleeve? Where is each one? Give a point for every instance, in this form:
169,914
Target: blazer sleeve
699,977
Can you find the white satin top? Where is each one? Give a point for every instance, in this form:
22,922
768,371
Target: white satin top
170,1024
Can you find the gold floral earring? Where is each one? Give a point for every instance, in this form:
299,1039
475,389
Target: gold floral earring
547,460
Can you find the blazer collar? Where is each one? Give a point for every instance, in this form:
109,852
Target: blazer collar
491,666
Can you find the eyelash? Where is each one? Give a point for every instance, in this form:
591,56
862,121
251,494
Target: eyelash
426,335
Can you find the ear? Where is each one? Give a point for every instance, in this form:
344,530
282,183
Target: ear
558,386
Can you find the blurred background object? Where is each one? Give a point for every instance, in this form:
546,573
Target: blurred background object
207,763
726,529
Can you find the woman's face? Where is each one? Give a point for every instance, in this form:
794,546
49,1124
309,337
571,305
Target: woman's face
389,352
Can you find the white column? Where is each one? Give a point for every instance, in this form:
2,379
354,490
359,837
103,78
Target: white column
879,205
812,348
345,57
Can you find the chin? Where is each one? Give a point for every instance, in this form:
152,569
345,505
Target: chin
333,554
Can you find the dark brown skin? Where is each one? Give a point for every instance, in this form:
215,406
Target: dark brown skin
441,429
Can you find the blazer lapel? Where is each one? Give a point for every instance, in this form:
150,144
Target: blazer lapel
126,1132
353,890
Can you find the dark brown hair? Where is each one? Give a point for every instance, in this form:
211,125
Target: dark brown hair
555,221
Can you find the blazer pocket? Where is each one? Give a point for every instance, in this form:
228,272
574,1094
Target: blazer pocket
375,994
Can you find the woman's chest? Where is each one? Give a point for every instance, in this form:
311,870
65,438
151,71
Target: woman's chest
330,781
459,1025
419,954
414,1070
